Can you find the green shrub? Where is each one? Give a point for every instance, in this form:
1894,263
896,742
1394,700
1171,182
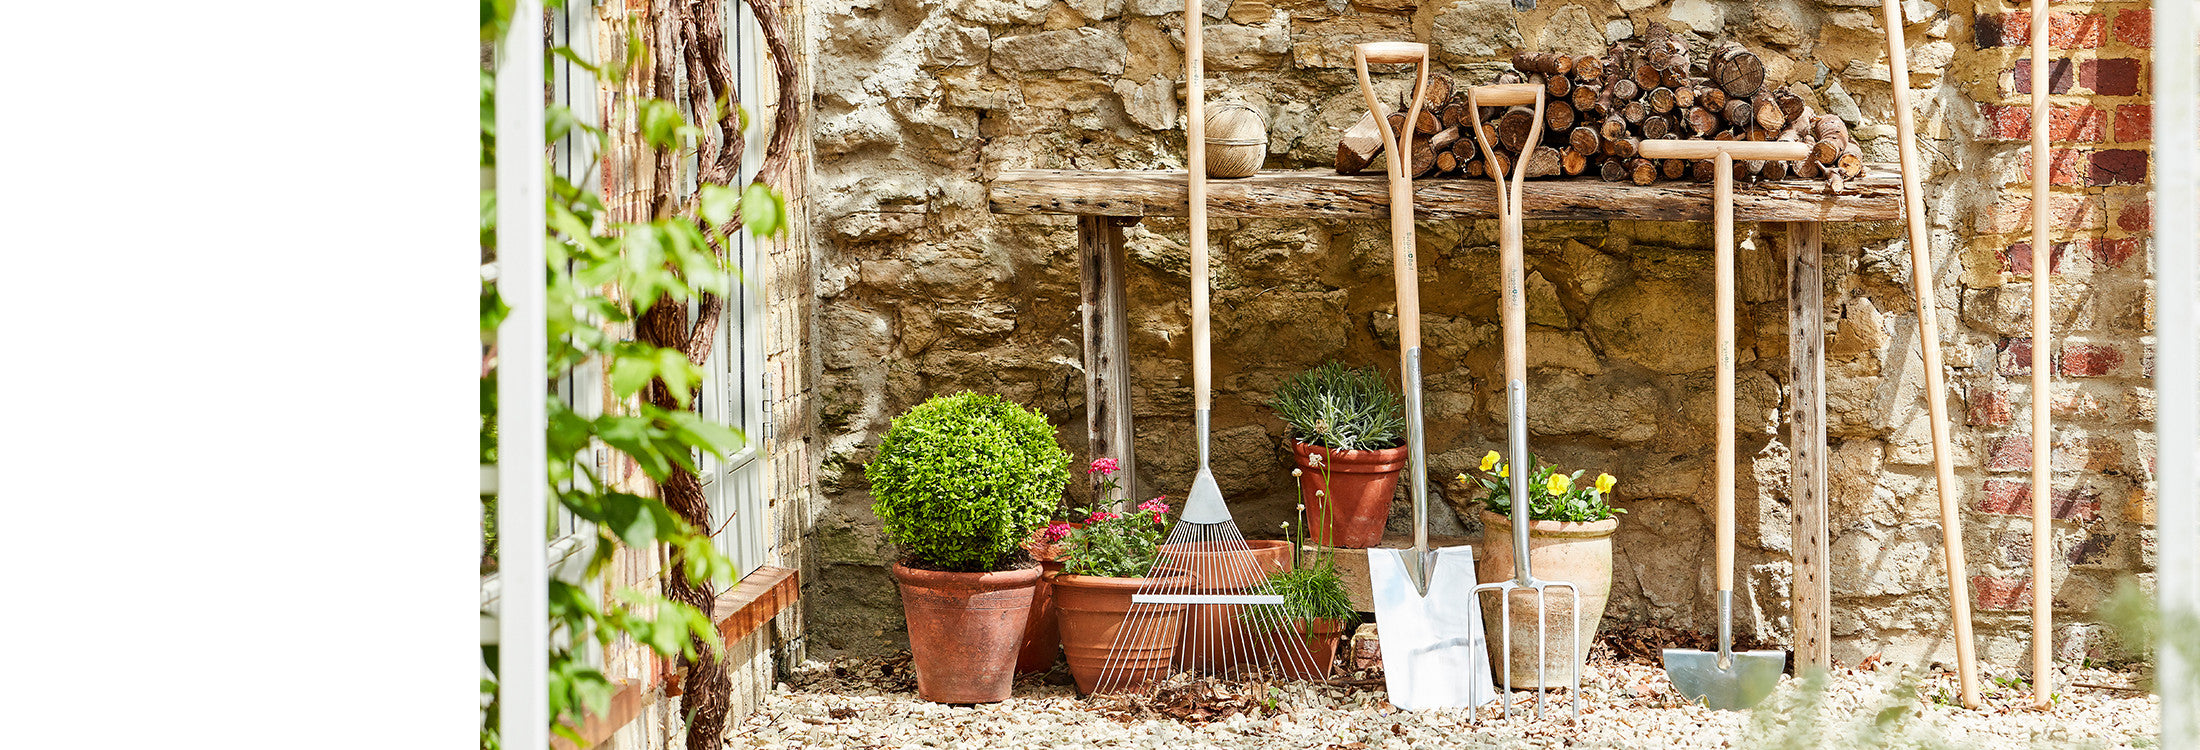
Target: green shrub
961,480
1337,407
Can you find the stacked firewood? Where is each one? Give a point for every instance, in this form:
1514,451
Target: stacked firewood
1598,109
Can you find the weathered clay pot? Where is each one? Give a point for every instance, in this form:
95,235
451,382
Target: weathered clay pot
964,629
1042,636
1316,641
1578,553
1212,636
1093,611
1360,484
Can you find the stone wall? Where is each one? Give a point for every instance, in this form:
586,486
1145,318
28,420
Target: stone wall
922,291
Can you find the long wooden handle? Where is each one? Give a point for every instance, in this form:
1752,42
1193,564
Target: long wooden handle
1744,150
1723,196
1928,337
2043,630
1195,121
1400,174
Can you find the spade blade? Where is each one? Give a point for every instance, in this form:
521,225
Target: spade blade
1743,683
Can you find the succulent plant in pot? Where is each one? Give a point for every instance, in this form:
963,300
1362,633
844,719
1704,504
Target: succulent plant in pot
1347,438
959,483
1570,526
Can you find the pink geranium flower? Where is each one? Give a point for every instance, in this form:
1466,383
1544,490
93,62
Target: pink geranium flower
1101,515
1156,506
1055,532
1102,466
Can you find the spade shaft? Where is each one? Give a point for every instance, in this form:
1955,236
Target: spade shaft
1400,176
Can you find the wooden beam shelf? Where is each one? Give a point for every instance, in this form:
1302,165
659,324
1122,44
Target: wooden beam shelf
1323,194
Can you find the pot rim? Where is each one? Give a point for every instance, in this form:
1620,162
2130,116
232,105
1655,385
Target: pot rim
1252,546
992,580
1110,582
1372,456
1572,529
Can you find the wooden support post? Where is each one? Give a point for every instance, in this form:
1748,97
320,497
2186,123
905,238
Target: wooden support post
1100,260
1812,592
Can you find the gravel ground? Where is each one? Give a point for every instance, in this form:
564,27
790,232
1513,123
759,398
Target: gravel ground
872,704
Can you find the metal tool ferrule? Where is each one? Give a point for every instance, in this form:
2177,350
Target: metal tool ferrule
1516,427
1200,420
1726,628
1416,453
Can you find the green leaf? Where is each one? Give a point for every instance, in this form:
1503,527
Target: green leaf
718,204
629,372
762,210
678,374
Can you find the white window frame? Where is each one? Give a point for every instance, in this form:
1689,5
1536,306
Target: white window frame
581,388
734,388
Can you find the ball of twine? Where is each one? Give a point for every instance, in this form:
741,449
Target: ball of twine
1237,140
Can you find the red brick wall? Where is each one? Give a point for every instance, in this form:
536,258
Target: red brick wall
2101,127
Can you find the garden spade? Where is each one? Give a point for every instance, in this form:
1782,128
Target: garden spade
1423,598
1724,679
1512,261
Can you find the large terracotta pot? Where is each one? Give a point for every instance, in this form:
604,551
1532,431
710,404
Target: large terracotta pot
1212,637
1042,636
1578,553
1316,644
964,629
1093,611
1352,511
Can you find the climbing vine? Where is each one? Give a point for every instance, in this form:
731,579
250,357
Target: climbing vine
611,271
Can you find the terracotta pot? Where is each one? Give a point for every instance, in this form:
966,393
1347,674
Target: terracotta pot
1042,637
1316,641
1357,504
1579,553
1093,611
1212,636
964,629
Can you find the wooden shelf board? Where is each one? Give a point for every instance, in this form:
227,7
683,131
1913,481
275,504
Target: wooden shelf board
1323,194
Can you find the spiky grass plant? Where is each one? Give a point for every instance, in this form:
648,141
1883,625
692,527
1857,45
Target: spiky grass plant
1341,408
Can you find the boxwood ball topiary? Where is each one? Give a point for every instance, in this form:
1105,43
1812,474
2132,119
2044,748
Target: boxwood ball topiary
961,480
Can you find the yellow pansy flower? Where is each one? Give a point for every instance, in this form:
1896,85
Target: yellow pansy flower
1462,478
1558,484
1490,459
1605,483
1501,473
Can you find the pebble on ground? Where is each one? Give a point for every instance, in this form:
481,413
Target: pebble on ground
871,703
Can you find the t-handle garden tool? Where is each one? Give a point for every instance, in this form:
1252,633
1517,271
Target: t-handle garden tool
1513,265
1928,340
1725,680
1423,600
